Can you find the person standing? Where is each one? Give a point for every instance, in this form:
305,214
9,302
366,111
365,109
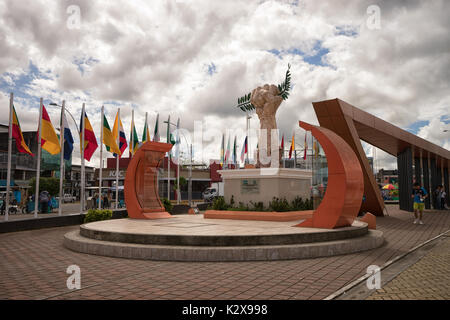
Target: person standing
44,199
3,206
443,196
437,198
418,194
105,201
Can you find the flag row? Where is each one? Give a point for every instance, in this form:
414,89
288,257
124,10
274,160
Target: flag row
114,140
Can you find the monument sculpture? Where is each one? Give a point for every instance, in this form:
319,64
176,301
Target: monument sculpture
266,100
140,188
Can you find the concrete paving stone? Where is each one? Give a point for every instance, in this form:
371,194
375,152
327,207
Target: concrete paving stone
40,256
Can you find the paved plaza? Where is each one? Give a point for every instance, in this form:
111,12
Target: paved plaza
428,278
34,264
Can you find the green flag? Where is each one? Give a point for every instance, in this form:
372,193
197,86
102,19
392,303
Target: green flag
156,133
222,150
134,144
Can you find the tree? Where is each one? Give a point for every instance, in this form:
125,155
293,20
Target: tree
48,184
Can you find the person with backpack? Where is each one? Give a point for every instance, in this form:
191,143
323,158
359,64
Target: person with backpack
418,194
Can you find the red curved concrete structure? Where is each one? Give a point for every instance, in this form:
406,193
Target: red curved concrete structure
343,197
140,187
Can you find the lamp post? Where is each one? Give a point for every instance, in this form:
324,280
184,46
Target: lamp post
61,137
190,168
65,110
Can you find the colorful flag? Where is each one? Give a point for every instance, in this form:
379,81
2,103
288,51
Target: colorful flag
177,142
306,146
282,146
316,148
234,152
49,138
292,148
119,134
156,133
108,138
90,142
145,134
227,153
68,140
244,150
18,136
222,151
134,145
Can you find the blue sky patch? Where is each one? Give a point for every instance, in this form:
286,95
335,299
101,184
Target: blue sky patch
211,68
315,59
347,30
415,127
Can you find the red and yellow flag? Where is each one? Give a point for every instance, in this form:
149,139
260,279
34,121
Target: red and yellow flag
292,148
90,141
18,136
49,139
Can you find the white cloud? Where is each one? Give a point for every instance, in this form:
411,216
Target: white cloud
152,56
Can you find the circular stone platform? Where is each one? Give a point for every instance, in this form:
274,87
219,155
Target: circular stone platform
192,238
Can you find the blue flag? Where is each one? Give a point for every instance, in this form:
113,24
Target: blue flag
68,141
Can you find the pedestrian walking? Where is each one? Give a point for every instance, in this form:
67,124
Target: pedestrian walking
418,194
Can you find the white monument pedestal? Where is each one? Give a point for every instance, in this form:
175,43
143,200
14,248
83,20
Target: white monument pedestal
262,185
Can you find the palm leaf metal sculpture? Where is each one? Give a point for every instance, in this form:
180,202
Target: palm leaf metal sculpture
284,88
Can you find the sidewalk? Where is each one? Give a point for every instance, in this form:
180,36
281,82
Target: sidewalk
429,278
33,265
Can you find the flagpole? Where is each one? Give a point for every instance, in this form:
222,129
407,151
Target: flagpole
168,160
248,137
117,159
100,182
8,176
145,128
130,149
312,156
38,169
83,128
61,159
178,162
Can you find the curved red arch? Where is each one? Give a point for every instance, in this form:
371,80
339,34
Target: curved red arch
343,197
140,186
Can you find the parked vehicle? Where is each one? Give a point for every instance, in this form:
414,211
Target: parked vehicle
13,207
216,190
67,198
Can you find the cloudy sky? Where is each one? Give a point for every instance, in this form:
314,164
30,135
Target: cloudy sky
192,59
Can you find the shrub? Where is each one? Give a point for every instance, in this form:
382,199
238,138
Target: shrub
258,206
97,215
167,204
241,207
299,205
279,205
220,204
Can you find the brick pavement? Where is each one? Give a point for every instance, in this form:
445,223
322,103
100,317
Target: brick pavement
33,266
427,279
